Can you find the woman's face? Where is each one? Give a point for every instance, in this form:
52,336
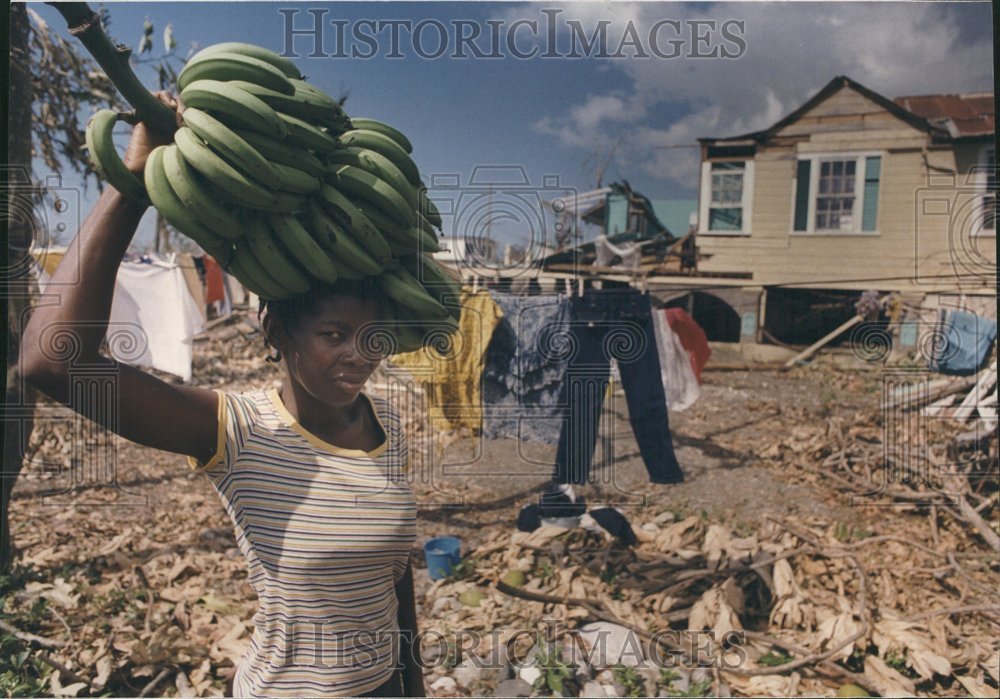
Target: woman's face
325,351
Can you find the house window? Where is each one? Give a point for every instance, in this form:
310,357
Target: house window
990,198
837,194
835,198
726,189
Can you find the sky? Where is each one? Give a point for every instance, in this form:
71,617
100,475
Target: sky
512,116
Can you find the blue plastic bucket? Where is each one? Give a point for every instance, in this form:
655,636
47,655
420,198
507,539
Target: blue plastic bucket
443,554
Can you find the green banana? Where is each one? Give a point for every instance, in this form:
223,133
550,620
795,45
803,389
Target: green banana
314,93
358,226
402,240
409,338
241,189
234,107
284,203
223,254
170,206
105,159
296,181
384,129
284,153
265,247
304,104
380,143
360,184
251,272
303,134
378,165
425,225
303,246
258,52
234,66
429,273
435,281
400,286
350,258
337,120
236,151
197,196
428,208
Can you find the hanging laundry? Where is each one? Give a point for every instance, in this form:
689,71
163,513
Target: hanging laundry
676,368
692,337
153,318
215,290
524,367
452,381
606,324
965,340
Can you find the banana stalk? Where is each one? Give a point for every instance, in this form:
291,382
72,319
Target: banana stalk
85,24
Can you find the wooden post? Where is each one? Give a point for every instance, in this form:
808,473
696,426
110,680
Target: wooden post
811,349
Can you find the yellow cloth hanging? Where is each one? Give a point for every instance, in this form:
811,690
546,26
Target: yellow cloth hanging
452,381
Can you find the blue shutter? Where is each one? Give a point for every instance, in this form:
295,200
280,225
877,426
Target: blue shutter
869,215
802,196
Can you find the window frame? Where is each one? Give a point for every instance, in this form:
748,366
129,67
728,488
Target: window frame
746,199
859,158
983,182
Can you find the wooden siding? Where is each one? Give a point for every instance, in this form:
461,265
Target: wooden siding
913,246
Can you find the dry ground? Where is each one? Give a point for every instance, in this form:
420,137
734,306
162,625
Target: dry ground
169,520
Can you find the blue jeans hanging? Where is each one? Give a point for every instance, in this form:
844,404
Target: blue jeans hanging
618,324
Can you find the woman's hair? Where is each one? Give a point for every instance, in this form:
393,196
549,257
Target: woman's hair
291,310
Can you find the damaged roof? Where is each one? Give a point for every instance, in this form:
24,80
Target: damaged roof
971,114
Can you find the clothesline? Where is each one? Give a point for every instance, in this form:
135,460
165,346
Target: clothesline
535,367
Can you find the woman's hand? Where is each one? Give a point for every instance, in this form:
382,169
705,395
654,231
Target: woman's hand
145,139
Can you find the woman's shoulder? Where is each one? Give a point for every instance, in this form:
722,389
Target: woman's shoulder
249,403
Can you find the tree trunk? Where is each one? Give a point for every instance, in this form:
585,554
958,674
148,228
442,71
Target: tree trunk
18,419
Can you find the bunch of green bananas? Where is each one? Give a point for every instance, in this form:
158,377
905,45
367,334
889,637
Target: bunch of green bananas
271,177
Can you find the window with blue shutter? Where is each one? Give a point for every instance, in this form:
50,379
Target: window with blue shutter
802,196
869,216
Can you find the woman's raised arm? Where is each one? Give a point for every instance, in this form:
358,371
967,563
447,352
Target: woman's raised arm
68,325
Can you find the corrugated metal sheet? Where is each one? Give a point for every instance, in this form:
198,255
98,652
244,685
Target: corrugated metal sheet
970,114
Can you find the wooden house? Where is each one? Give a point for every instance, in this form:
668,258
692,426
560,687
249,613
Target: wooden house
854,191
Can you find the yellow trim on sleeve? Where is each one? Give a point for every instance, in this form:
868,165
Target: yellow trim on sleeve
220,445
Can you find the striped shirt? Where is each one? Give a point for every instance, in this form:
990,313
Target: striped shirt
326,533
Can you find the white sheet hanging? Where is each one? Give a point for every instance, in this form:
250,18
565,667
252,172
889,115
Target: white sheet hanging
679,382
153,305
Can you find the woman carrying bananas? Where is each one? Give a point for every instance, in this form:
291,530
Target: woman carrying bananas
311,472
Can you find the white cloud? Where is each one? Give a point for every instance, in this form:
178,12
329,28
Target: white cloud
793,50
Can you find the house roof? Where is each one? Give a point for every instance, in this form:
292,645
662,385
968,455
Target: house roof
971,114
595,214
932,117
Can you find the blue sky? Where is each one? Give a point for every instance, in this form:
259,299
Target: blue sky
558,116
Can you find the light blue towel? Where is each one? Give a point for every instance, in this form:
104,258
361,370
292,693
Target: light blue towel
966,342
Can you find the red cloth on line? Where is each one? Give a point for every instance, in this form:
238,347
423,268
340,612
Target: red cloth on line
692,337
214,285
